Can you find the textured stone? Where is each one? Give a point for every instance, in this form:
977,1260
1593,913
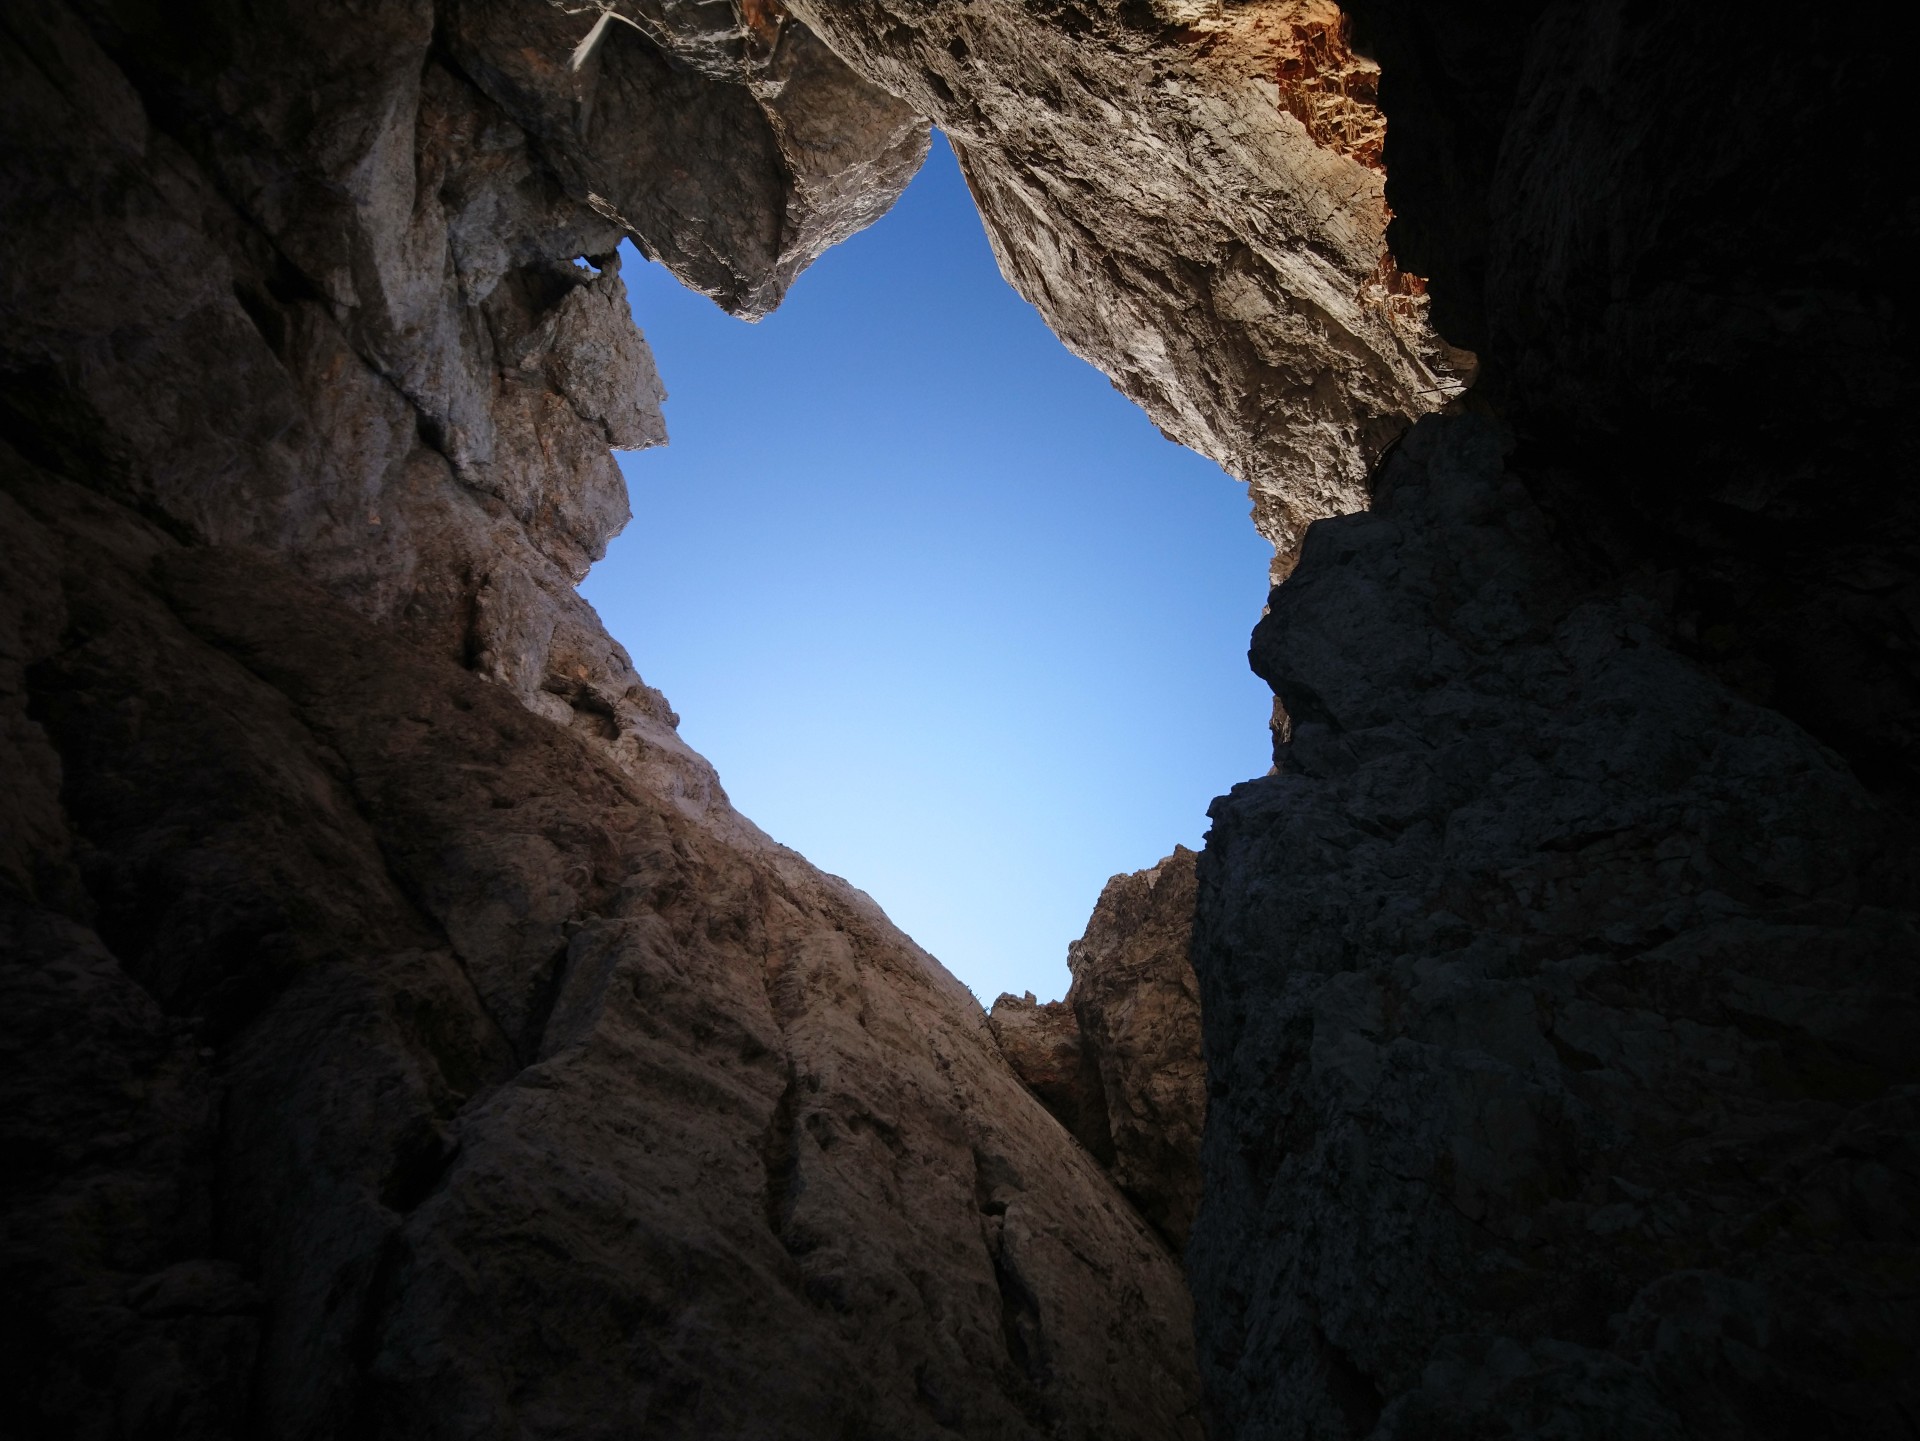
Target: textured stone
404,1035
1560,1002
490,1084
1675,244
1188,191
792,152
1138,1006
1118,1061
1559,1007
1043,1043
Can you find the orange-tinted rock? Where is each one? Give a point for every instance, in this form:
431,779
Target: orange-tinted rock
1189,192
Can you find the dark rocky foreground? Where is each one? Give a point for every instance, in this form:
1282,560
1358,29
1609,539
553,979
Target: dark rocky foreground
1560,986
405,1037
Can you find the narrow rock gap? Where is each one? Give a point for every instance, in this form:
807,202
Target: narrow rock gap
976,700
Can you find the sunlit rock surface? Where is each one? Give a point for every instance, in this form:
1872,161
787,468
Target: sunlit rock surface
1118,1061
403,1035
1189,191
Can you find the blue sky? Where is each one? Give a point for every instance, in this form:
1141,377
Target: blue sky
950,616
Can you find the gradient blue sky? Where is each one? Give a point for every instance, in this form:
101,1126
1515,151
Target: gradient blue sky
947,612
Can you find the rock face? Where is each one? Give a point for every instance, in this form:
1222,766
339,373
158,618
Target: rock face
1138,1004
461,1084
404,1036
794,152
1044,1044
1189,191
1678,275
1559,1010
1560,988
1118,1061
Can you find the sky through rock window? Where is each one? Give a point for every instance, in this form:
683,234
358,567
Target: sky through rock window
949,615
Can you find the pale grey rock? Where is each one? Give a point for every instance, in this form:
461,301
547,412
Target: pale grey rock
1149,183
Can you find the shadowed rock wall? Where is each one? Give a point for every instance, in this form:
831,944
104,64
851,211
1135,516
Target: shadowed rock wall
1674,238
1118,1061
1560,988
1559,1009
404,1037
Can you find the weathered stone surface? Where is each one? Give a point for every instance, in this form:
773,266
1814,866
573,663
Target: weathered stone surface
1675,244
493,1088
793,151
1188,190
350,314
1043,1043
1118,1061
404,1036
1560,988
1559,1007
1138,1005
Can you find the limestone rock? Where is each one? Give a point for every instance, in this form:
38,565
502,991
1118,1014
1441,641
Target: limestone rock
1118,1061
1559,986
404,1036
1189,192
1138,1004
792,152
1559,1008
1043,1043
1674,248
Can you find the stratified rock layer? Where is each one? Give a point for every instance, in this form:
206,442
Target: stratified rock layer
1189,191
403,1035
1118,1061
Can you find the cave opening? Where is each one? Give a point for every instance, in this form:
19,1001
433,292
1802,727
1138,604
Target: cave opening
947,612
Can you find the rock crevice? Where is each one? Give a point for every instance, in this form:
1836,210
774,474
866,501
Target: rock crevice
1190,195
1118,1061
